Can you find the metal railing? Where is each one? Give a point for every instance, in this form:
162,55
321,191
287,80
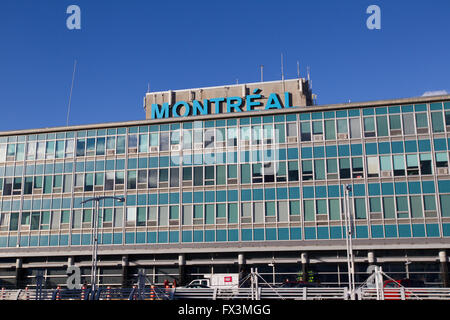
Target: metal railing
261,293
404,293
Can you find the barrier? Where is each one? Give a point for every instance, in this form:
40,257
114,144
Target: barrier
83,292
152,292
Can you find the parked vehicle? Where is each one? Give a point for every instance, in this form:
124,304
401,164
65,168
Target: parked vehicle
218,280
197,285
392,288
411,283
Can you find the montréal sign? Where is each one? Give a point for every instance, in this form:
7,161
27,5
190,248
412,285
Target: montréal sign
220,105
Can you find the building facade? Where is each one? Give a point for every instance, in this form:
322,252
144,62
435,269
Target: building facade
224,188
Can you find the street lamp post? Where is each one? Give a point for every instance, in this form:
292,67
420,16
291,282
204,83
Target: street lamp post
349,243
94,236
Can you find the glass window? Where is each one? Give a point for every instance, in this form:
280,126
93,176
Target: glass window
412,165
437,121
342,126
369,127
374,204
163,219
80,147
232,137
293,170
279,133
291,129
221,175
245,173
120,145
402,207
388,207
232,213
187,215
174,177
330,130
307,170
395,124
141,217
441,159
421,120
399,165
425,163
355,128
416,206
382,126
198,176
373,169
408,123
258,212
360,208
317,127
319,169
283,215
308,209
335,211
344,168
305,131
131,179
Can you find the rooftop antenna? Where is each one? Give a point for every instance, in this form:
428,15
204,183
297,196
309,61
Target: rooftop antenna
282,71
145,97
309,77
71,88
298,69
262,72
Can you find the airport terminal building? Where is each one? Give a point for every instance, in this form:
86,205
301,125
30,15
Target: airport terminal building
224,179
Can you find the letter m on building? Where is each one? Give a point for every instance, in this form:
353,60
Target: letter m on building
158,113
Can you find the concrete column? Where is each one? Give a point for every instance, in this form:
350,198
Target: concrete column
19,274
305,266
124,271
242,266
182,269
70,261
371,257
443,260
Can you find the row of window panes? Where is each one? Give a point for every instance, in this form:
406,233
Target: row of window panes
319,169
251,212
191,139
232,157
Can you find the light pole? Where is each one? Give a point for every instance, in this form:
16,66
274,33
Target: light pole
349,243
94,236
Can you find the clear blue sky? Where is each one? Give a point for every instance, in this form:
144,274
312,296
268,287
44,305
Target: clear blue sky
124,45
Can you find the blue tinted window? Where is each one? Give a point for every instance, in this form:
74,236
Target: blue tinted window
356,149
308,192
307,152
400,188
440,145
397,147
377,231
418,230
424,145
344,150
371,148
384,147
387,188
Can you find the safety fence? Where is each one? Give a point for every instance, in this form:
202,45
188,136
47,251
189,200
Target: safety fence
261,293
404,293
